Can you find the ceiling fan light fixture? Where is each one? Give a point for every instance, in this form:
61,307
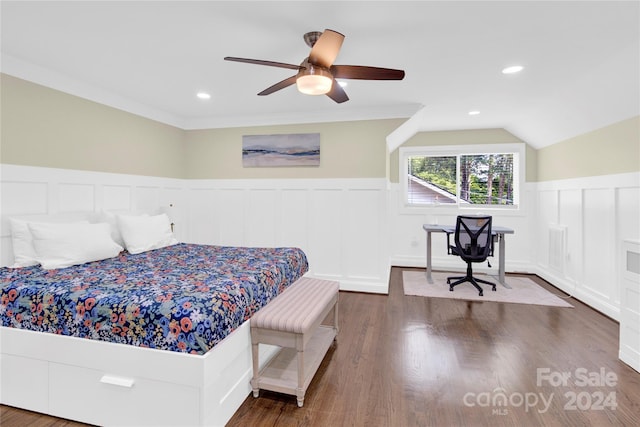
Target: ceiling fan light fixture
317,73
314,80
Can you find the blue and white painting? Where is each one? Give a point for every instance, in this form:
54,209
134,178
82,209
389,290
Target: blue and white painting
297,149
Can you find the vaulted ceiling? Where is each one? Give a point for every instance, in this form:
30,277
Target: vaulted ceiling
581,60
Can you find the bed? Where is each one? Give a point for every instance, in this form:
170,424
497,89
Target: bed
154,338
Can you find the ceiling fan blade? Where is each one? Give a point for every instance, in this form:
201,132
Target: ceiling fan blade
262,62
326,49
337,93
280,85
365,73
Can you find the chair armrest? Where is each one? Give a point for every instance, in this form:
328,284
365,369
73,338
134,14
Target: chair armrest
449,234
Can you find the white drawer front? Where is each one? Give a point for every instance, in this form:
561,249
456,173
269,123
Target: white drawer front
109,399
24,383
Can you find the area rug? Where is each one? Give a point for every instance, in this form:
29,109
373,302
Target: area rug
523,290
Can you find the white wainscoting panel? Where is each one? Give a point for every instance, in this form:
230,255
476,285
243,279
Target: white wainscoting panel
19,197
261,217
365,229
570,217
546,212
557,247
172,202
28,190
326,232
599,213
408,239
76,197
116,197
231,218
339,223
599,245
293,215
353,229
202,211
627,209
629,351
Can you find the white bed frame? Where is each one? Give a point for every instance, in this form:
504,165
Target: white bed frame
99,382
115,384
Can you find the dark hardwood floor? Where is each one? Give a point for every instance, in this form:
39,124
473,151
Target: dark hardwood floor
413,361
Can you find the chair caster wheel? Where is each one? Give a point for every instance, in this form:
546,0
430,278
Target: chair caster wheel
451,288
493,289
448,282
480,293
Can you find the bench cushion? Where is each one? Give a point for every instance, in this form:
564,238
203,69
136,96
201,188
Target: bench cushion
297,308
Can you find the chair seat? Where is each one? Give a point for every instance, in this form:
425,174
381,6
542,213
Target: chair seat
466,256
473,243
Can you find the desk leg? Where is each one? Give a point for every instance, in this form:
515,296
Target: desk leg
501,268
428,273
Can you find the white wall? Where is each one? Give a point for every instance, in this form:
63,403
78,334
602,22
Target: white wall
353,230
408,240
28,190
597,214
340,224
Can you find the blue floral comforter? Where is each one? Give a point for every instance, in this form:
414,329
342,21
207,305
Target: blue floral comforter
183,298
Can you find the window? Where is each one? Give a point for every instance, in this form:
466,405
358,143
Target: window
432,179
464,176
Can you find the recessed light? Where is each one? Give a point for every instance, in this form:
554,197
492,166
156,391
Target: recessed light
513,69
203,95
474,113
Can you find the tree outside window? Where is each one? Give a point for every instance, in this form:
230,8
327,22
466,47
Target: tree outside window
470,179
487,179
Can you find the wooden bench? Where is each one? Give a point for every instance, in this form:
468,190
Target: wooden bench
292,321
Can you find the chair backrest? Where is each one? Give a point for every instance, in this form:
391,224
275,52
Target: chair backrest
473,237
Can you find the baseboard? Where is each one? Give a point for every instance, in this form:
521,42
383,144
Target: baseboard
451,263
631,358
358,284
367,287
562,284
574,290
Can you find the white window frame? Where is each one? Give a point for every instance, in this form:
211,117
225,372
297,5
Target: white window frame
519,164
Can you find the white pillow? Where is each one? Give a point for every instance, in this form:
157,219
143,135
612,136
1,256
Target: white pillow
64,245
144,233
112,219
24,254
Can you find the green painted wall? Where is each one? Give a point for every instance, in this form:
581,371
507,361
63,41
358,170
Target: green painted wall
347,150
46,127
609,150
49,128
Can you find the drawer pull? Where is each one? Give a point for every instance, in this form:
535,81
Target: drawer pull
117,381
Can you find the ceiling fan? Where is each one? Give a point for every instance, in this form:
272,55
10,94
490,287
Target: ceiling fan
317,73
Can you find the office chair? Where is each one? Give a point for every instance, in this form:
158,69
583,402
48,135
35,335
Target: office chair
473,243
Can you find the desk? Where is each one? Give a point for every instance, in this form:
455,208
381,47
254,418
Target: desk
495,230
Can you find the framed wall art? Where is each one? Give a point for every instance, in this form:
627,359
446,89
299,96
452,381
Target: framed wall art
297,149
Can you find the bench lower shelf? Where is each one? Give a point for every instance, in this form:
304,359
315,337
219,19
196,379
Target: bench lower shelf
281,373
